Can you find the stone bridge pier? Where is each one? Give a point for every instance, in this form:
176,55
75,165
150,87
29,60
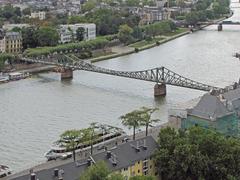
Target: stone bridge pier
66,74
160,90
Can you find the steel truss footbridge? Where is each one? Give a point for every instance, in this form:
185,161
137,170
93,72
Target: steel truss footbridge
159,75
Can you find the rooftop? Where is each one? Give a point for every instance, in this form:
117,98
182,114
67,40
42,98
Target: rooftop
116,158
210,108
232,94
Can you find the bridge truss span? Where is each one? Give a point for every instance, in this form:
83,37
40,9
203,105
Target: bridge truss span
159,75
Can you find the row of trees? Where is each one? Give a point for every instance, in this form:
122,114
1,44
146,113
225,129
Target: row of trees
83,46
197,153
138,118
128,35
141,117
71,139
4,57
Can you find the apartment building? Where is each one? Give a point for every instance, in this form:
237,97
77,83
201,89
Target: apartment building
41,15
131,158
67,32
11,43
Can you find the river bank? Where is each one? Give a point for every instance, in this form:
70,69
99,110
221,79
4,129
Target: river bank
134,48
121,50
153,131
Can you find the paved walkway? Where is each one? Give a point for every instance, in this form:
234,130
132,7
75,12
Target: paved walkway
121,49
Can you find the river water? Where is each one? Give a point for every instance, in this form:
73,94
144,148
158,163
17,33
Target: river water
33,112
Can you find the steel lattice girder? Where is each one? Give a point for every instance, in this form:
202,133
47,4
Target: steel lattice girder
158,75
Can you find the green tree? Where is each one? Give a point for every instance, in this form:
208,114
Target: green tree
72,138
76,19
16,29
98,171
47,36
197,153
132,2
92,134
146,120
137,33
26,11
29,36
4,57
80,33
125,34
131,120
88,6
192,18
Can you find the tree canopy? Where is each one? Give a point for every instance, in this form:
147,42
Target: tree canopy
125,34
72,138
47,36
100,171
197,154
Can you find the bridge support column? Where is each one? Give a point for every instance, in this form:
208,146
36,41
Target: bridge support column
160,90
67,74
220,27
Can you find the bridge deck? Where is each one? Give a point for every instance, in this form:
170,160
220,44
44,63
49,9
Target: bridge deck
157,75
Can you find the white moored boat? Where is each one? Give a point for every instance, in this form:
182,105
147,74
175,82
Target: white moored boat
110,137
4,171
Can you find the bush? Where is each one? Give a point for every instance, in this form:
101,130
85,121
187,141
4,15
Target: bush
3,58
157,43
85,55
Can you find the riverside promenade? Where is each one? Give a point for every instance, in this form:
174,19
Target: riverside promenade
154,131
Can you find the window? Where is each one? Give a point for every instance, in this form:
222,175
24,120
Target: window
138,171
125,169
138,162
150,166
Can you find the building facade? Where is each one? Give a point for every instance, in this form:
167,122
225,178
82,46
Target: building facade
68,32
41,15
212,113
11,43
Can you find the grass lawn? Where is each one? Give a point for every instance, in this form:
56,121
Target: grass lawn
178,31
143,43
102,53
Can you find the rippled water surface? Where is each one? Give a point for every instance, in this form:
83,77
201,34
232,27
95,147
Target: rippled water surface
33,112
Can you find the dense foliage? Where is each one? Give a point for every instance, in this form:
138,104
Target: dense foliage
47,36
207,9
38,36
10,13
159,28
100,171
107,20
197,154
129,35
138,118
98,43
